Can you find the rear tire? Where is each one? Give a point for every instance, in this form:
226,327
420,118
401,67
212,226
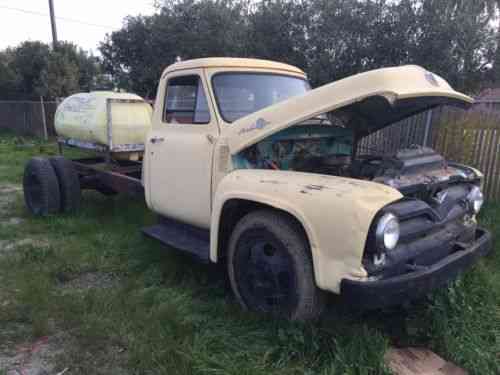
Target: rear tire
69,184
41,188
270,267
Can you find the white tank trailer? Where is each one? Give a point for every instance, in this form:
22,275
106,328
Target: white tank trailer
105,121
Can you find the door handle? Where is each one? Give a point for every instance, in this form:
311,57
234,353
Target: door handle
156,140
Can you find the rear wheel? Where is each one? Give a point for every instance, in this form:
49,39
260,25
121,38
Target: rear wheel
69,184
41,188
270,268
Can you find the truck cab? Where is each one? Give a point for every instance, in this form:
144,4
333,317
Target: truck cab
241,144
197,103
247,166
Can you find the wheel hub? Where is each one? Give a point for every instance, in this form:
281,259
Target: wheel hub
266,276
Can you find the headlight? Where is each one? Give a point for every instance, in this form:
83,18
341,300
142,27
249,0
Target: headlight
476,199
387,232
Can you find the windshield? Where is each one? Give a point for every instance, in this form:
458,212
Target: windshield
239,94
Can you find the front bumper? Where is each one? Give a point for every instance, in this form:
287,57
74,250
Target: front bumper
398,289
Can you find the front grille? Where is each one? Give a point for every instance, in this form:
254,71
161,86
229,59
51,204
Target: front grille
429,230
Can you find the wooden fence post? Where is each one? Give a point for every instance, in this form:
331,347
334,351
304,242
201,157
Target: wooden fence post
44,120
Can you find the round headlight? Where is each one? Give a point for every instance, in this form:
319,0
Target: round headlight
476,199
387,232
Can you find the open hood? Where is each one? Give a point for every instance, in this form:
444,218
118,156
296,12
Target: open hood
366,102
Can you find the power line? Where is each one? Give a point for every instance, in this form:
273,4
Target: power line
59,18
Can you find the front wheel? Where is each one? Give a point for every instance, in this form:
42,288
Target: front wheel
270,267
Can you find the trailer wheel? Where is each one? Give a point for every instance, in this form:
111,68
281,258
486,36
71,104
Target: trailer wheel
270,268
41,189
69,184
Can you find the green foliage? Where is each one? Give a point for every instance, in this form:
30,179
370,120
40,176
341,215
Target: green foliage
458,37
28,61
137,54
329,39
33,69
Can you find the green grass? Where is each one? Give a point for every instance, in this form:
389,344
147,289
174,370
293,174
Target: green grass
166,314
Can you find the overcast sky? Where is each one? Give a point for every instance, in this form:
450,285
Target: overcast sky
84,22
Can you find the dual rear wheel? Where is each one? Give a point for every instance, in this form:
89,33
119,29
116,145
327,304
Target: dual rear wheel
51,186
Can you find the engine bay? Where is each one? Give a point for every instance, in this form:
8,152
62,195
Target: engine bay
416,171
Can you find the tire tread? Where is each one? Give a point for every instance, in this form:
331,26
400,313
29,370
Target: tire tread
50,193
69,184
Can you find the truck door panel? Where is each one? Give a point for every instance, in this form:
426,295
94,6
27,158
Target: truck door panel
180,151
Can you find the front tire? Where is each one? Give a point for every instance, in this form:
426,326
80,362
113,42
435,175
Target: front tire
270,267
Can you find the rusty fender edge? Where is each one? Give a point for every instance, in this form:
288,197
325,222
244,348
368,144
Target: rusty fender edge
396,290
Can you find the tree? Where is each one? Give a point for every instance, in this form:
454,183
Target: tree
61,78
136,55
277,30
455,39
88,67
33,69
329,39
29,61
9,80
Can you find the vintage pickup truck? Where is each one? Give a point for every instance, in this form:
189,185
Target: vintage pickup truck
249,167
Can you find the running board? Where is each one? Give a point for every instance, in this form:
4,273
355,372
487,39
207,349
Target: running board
184,237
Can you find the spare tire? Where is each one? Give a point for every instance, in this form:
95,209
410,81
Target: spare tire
41,188
69,184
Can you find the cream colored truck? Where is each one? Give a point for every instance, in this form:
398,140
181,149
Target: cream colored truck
249,167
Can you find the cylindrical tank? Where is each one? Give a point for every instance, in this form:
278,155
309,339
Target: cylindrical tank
84,117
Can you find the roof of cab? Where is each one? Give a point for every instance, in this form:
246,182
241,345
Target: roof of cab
231,62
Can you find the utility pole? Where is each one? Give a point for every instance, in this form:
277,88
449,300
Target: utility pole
53,23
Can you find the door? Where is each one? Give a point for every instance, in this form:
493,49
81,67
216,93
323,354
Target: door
180,150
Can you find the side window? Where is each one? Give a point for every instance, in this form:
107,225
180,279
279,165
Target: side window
185,101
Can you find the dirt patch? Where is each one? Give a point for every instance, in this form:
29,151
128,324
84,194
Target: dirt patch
32,358
8,194
12,221
90,280
7,247
10,188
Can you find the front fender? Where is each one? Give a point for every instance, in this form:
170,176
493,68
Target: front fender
335,212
